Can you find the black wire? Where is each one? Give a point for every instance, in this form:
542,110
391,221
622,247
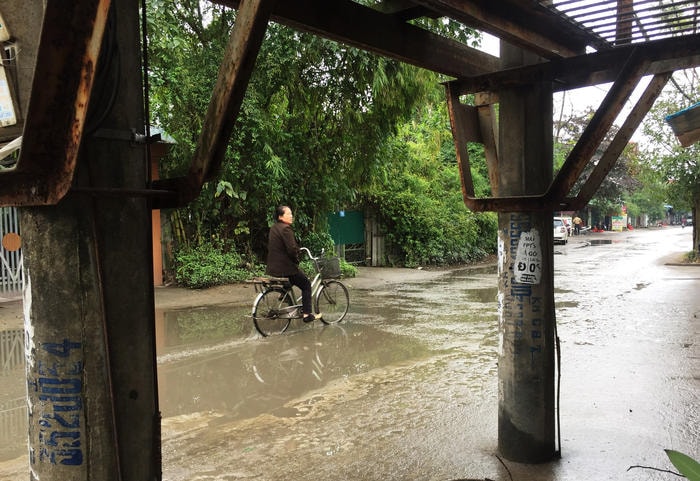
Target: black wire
157,441
557,347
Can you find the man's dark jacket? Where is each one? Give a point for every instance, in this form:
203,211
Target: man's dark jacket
282,251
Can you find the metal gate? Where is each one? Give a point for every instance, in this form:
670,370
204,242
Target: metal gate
11,349
348,232
11,276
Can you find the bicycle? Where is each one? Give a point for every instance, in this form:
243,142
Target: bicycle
276,304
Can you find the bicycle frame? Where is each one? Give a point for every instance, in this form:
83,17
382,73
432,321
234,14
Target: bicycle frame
277,302
316,282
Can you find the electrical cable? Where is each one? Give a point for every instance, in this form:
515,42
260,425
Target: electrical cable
157,418
557,348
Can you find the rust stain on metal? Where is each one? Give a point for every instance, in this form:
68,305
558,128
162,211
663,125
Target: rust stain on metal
69,50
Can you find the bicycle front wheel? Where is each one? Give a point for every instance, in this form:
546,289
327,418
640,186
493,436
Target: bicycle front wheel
332,302
266,311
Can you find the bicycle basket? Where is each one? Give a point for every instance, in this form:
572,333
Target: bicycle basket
330,267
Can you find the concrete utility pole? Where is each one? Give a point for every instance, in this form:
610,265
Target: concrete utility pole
526,410
89,309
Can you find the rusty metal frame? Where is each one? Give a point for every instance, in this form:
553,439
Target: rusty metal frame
665,55
555,196
234,74
61,89
69,50
623,136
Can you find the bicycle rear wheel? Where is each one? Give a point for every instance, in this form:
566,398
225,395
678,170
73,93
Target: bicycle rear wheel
266,311
332,302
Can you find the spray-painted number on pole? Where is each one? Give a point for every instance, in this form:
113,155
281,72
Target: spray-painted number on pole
59,387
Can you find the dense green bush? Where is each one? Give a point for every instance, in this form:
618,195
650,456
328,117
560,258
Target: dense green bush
428,224
346,269
417,193
208,265
318,242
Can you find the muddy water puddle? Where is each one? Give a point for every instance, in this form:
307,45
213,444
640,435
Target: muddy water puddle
178,330
261,376
212,359
407,386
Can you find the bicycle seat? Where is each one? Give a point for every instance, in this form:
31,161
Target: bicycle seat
271,280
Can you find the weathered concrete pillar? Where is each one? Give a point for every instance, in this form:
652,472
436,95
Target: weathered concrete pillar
89,309
71,417
526,414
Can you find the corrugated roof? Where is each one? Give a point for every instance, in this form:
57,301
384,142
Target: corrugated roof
621,22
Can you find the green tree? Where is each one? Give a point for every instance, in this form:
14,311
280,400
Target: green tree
417,194
619,186
677,166
312,121
322,126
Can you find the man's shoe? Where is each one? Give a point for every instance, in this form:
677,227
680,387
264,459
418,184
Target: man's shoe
309,318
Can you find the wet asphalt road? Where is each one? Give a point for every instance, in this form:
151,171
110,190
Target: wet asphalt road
405,389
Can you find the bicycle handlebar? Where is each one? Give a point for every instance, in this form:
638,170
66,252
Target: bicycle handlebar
308,253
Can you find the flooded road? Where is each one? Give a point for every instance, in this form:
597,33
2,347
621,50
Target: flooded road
406,387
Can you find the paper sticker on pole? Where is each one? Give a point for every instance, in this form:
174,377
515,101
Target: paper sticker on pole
528,258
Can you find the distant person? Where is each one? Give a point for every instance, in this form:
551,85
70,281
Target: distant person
577,225
283,257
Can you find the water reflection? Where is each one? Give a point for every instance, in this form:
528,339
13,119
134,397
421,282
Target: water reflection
201,325
13,403
262,376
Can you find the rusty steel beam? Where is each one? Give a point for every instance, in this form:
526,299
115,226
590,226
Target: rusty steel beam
527,26
624,21
600,124
458,123
234,74
473,124
351,23
523,203
665,55
555,196
69,50
623,136
488,125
